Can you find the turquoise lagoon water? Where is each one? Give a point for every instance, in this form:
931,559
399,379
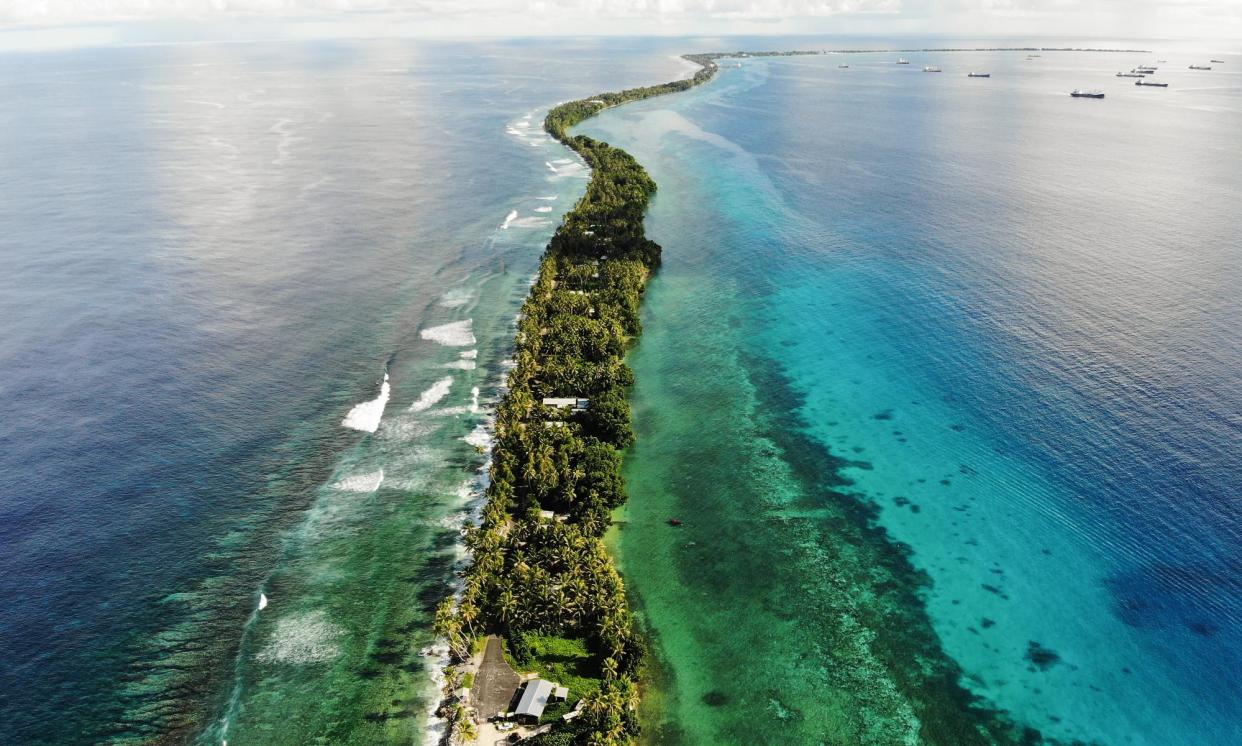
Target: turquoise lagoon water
942,376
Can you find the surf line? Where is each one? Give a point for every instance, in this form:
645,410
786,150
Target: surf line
556,424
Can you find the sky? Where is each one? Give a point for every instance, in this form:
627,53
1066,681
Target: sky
36,23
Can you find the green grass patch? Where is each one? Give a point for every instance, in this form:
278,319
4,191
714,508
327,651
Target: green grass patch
467,681
565,661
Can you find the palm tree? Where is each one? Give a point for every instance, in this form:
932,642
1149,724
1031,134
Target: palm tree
610,668
507,606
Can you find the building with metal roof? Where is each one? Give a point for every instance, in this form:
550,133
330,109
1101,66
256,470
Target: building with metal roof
534,699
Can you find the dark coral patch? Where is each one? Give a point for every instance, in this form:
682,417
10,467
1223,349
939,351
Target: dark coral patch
885,415
715,698
1040,656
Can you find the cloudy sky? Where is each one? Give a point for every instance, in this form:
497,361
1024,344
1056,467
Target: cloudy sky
1102,19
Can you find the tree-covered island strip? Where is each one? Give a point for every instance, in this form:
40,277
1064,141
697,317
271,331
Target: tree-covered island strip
541,579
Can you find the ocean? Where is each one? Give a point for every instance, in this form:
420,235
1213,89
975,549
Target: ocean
257,299
943,377
940,374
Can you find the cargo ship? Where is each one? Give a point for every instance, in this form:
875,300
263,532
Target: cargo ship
1079,93
1200,67
1131,75
930,69
1153,85
978,75
902,61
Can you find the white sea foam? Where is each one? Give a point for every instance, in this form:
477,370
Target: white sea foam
455,297
474,399
302,638
479,437
364,483
216,104
509,219
262,601
531,222
460,365
548,198
428,398
437,727
551,168
468,354
543,209
453,334
522,124
367,415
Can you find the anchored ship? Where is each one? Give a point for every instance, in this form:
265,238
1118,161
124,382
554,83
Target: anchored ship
1079,93
930,69
902,61
1153,85
1200,67
1131,75
978,75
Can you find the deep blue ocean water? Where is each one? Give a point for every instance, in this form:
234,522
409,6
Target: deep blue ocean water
1016,314
209,255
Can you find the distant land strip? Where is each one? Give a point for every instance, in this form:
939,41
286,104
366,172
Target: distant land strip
924,49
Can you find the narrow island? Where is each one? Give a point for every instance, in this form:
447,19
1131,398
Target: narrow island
542,595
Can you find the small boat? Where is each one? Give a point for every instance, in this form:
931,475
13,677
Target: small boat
1131,75
843,67
1152,85
1200,67
1079,93
978,75
902,61
930,69
674,522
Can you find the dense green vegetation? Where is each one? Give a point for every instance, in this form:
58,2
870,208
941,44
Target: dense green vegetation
546,583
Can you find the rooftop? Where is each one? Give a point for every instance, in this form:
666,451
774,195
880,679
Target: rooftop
534,699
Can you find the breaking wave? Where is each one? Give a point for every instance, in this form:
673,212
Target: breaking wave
366,416
432,395
453,334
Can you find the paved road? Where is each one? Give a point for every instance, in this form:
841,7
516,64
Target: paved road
495,684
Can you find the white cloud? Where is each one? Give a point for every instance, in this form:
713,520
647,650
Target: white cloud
1219,18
